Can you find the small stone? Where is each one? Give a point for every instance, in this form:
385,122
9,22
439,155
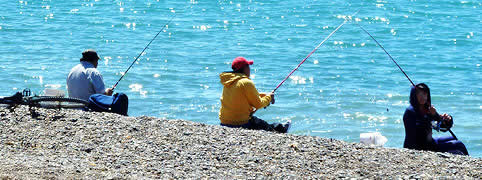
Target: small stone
10,143
87,150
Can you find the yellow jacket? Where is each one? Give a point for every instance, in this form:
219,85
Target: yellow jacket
240,98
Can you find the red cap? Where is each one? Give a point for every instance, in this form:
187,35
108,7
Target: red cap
240,62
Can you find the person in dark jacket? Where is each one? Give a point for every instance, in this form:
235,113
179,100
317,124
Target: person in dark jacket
419,120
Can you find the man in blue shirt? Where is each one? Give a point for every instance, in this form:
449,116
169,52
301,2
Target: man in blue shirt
84,79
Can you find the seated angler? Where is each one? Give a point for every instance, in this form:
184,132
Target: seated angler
419,120
84,79
240,99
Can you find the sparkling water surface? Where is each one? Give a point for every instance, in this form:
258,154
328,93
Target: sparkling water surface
349,86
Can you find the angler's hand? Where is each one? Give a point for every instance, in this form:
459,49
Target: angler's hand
109,91
432,110
446,117
447,122
272,97
267,94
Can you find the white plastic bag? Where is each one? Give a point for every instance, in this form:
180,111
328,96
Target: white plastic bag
373,138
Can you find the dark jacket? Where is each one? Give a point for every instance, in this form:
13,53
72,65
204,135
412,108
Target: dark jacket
418,125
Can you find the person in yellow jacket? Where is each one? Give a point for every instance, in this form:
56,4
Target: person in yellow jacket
240,99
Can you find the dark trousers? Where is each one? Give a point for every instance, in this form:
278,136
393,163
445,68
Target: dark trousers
451,145
258,124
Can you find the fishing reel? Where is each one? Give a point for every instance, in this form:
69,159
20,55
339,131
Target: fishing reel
443,125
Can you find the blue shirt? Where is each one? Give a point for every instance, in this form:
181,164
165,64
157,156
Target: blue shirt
85,80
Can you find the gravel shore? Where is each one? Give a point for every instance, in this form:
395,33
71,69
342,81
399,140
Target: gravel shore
76,144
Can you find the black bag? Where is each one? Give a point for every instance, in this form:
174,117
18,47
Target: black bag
117,103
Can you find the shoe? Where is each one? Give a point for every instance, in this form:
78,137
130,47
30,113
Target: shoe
286,126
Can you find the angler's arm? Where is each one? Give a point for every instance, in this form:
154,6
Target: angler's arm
410,123
254,97
97,82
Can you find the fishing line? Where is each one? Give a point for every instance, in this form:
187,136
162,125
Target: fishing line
387,54
313,51
135,60
453,135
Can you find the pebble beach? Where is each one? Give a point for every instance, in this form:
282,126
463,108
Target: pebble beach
71,144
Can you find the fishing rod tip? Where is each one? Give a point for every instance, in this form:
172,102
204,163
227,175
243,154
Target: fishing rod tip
357,12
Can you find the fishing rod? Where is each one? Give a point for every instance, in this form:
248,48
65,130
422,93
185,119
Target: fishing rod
453,135
387,54
313,51
135,60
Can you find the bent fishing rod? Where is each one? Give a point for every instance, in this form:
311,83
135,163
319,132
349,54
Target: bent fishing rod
135,60
313,51
453,135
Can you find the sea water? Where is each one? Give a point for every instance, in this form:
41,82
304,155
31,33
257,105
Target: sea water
349,86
